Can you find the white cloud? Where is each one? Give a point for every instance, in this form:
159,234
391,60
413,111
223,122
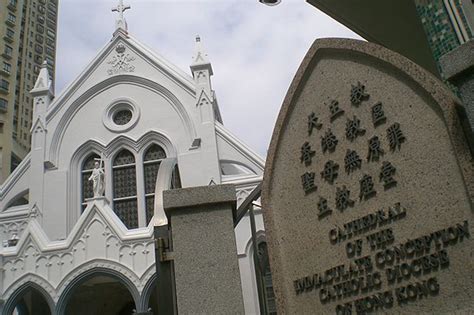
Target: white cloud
255,50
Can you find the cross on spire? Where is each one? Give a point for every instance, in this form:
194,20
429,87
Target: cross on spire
120,22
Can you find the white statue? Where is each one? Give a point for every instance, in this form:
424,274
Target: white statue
98,178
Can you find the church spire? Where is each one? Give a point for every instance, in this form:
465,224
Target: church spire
120,22
200,59
43,84
205,96
43,94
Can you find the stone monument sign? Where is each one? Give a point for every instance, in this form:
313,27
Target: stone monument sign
368,188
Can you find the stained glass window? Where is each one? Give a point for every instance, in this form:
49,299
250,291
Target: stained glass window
151,164
154,152
149,203
125,188
124,183
86,171
122,117
126,210
123,158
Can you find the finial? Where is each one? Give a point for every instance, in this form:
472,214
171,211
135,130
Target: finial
43,82
121,22
200,57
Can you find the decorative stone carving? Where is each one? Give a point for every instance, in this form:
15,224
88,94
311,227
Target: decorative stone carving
121,62
11,229
97,264
31,278
35,212
120,21
98,178
242,194
147,275
39,101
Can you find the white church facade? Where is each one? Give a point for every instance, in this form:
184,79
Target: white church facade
154,127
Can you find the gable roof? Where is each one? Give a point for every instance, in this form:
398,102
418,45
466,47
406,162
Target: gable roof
159,62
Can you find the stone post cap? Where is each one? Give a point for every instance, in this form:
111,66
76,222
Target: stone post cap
458,60
188,198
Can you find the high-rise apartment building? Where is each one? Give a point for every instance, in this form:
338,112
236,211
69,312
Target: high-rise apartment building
27,39
447,23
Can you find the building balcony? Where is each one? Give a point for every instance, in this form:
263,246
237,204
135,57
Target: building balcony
3,107
12,6
8,39
4,73
10,23
3,90
6,56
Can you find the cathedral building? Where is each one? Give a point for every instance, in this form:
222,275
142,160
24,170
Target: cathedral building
151,127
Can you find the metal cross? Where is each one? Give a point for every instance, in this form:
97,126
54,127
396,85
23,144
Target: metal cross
120,9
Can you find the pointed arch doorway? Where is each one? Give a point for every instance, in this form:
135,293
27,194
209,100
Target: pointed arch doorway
98,293
29,301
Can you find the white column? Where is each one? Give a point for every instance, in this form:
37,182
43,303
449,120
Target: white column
109,188
140,191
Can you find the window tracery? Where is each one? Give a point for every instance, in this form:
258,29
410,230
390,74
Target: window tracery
122,117
131,186
124,178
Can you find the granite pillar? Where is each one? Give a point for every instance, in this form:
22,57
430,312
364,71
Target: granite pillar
365,136
204,249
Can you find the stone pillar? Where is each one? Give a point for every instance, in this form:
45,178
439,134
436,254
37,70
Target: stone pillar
457,67
204,249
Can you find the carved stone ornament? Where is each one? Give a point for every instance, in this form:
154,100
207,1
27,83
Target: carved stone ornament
31,278
98,263
98,178
121,62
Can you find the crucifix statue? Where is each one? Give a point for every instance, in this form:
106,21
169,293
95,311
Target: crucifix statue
98,178
120,22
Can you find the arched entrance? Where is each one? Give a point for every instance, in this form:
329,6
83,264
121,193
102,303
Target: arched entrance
153,301
99,292
29,300
100,295
149,301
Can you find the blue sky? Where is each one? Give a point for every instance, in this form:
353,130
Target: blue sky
254,49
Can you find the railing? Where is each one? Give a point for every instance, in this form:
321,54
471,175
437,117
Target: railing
8,39
12,5
3,105
247,206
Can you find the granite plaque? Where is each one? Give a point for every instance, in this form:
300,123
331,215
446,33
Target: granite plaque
368,188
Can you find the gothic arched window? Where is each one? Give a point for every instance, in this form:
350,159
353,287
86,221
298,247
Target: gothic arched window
151,164
86,171
125,188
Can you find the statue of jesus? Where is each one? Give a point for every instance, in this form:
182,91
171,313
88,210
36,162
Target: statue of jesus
98,178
